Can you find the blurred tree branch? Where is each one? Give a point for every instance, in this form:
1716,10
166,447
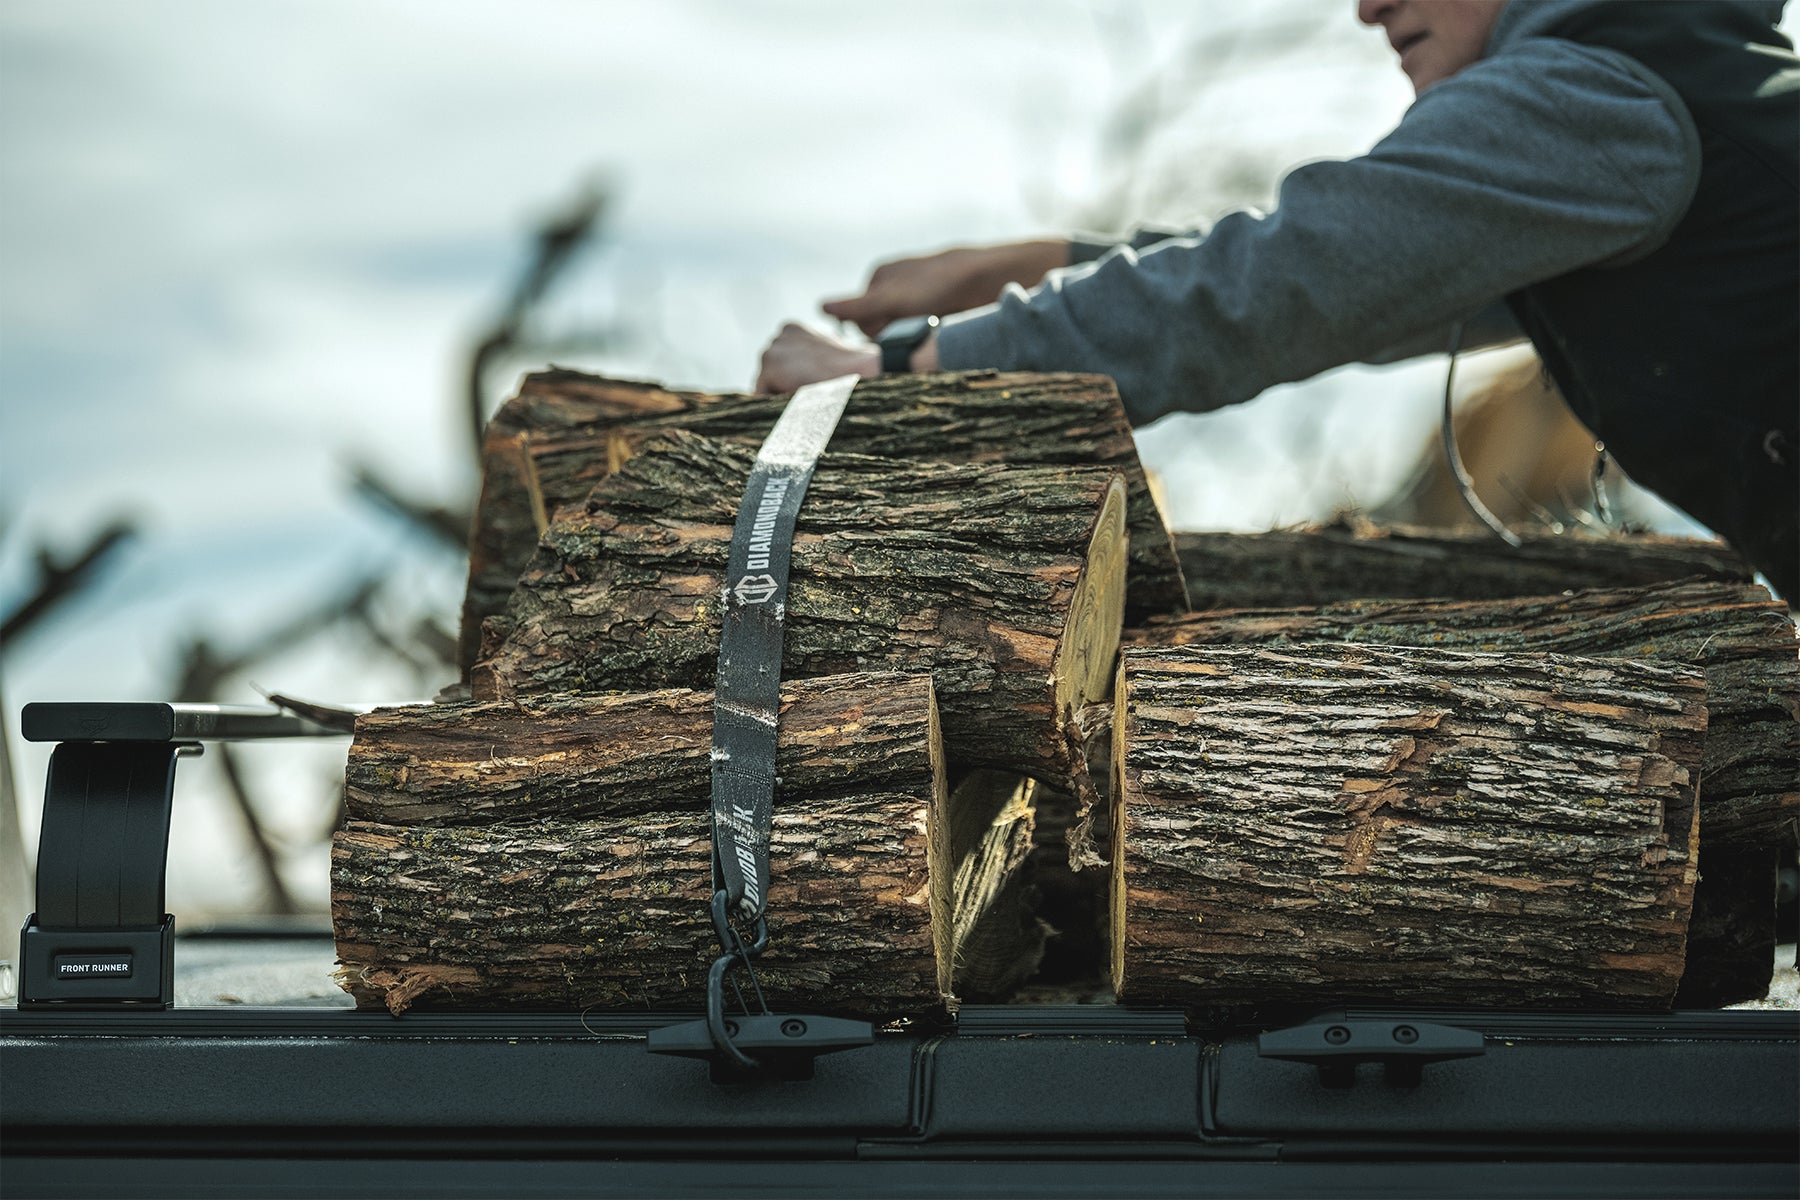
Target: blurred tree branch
557,241
60,579
450,526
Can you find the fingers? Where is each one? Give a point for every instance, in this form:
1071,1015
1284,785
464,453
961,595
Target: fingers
876,308
865,311
949,281
905,287
799,356
770,369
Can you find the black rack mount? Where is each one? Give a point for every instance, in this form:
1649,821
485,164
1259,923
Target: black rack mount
100,936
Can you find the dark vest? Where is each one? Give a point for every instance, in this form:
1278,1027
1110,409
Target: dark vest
1686,362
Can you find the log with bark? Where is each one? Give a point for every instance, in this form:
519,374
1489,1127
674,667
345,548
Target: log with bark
565,431
1340,823
557,853
1285,568
1004,583
612,912
1742,640
1740,636
577,757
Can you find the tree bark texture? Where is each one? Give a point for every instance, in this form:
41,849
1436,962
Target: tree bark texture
1736,633
1284,568
1005,584
560,855
1342,823
565,431
579,757
612,912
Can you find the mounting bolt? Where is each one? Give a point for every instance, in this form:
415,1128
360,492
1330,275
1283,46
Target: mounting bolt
1337,1035
731,1028
1406,1035
792,1028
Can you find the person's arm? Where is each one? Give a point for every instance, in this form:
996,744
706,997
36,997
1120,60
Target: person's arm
799,355
953,280
1085,248
1549,158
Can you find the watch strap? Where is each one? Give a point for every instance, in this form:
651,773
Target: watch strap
900,339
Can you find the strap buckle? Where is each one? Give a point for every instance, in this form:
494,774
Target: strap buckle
734,949
748,1043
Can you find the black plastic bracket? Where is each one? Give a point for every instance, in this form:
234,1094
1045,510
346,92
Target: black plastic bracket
85,968
100,937
1402,1047
783,1045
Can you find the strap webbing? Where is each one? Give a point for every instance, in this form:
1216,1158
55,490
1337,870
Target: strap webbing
747,700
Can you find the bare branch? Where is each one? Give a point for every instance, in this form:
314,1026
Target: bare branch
58,580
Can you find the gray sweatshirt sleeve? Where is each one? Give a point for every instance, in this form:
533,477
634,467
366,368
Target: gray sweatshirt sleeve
1493,325
1550,157
1085,248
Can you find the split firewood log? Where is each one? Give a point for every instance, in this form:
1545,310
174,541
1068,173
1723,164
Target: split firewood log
1321,824
1740,636
1283,568
565,431
1004,583
572,757
558,852
1750,775
997,940
612,912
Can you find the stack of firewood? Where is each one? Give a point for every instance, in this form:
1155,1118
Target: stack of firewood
1568,798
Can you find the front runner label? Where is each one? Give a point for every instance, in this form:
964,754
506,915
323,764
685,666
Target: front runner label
93,966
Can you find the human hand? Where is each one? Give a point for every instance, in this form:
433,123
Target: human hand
947,282
799,356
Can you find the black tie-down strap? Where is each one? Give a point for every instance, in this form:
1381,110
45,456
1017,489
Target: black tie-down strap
746,713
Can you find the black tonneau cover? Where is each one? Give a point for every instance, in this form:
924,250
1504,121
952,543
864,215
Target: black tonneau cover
1084,1100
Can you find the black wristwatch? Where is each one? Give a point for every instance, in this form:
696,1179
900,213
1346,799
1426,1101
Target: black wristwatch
900,339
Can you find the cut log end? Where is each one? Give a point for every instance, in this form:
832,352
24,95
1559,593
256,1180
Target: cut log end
1117,815
940,857
1082,669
